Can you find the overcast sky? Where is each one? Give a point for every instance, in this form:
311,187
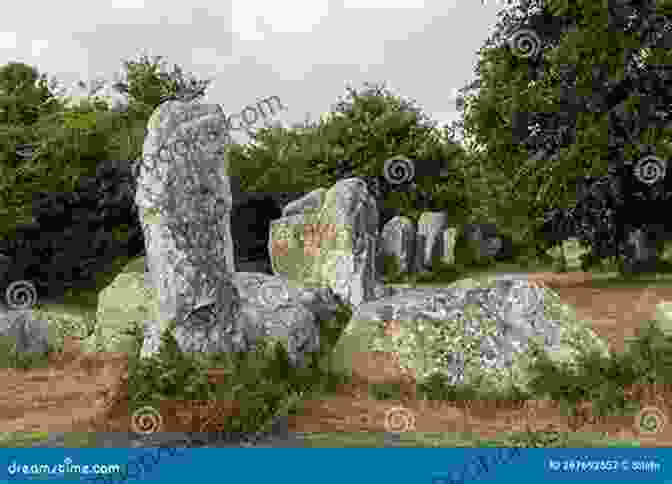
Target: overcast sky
303,51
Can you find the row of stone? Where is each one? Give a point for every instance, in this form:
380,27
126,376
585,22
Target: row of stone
417,247
326,255
414,247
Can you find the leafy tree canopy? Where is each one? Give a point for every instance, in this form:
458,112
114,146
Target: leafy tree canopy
568,89
366,128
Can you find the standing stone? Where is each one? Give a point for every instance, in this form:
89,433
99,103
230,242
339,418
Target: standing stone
333,247
312,201
347,251
642,251
397,239
492,246
183,187
430,239
481,236
449,240
285,245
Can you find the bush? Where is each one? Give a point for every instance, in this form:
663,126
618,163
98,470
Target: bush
262,382
390,267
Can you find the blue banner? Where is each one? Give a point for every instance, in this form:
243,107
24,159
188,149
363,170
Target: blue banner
327,466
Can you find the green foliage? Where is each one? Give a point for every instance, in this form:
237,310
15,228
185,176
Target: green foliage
25,95
367,128
262,381
10,357
467,251
149,84
390,267
70,141
605,381
442,272
512,91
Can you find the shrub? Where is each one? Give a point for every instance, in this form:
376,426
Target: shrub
390,267
262,381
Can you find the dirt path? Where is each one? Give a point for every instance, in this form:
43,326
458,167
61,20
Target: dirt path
84,393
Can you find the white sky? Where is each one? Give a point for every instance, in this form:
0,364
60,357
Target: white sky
303,51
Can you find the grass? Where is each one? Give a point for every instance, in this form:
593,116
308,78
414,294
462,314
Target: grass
266,386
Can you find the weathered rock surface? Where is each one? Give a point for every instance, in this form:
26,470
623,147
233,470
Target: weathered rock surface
397,240
286,245
124,306
449,242
334,246
487,241
40,330
471,332
27,333
184,201
265,305
312,201
429,243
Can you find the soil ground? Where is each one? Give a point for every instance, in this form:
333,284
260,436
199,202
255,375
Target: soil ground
77,394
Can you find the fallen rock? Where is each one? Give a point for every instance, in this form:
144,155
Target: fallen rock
265,305
471,332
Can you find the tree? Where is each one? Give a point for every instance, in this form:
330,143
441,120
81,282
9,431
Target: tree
25,95
70,141
148,84
577,89
356,139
